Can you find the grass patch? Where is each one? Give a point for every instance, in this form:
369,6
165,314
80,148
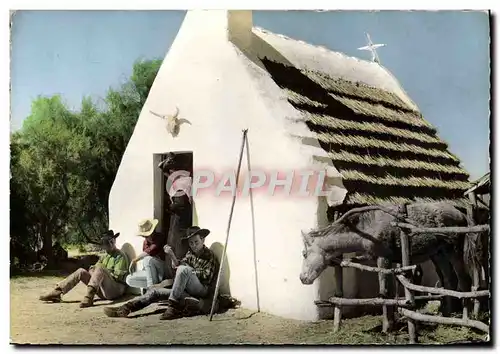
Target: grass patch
368,330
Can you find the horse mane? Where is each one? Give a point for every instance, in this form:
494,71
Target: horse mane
344,226
324,231
368,216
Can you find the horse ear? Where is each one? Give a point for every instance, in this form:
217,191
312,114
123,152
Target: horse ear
305,238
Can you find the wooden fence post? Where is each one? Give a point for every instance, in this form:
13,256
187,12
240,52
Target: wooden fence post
475,271
384,281
339,292
339,288
405,258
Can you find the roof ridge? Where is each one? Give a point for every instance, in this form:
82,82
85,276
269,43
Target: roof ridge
345,56
321,47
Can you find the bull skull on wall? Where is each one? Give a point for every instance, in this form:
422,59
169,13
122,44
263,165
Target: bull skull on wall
173,121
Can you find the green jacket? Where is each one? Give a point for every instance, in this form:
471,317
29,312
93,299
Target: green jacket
116,263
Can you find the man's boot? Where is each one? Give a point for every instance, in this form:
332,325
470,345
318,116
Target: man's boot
53,296
192,306
172,312
88,299
121,311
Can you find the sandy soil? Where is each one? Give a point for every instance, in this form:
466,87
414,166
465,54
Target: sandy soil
36,322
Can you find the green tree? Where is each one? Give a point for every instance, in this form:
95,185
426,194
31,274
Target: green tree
63,163
45,165
109,132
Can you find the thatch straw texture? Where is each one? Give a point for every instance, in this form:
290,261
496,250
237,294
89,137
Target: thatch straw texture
357,90
302,100
384,162
386,151
378,110
340,124
404,181
360,141
366,199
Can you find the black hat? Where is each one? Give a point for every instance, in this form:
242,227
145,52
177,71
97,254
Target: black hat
108,236
169,162
195,230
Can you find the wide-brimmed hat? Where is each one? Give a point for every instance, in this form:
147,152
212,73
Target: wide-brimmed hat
108,236
195,230
169,163
146,227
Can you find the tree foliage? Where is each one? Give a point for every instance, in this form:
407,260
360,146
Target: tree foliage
63,164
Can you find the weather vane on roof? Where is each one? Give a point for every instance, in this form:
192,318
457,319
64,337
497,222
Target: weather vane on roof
372,48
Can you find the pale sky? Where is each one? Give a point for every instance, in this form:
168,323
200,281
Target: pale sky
440,58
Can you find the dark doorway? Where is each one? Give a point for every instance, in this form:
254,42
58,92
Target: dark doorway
162,200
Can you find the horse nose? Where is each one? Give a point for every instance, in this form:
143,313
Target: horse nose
302,278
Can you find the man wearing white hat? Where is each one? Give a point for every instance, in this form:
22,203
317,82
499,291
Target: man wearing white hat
152,256
193,279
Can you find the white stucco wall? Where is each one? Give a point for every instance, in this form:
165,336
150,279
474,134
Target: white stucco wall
221,91
212,84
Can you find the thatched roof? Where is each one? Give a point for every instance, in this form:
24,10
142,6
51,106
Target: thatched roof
383,147
481,185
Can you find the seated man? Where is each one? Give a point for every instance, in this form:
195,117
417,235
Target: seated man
193,275
153,257
105,278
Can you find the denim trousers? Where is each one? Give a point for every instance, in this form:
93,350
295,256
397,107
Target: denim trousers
153,273
186,283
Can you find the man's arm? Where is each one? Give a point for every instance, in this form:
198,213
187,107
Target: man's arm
175,262
206,272
120,269
184,261
179,204
98,263
152,249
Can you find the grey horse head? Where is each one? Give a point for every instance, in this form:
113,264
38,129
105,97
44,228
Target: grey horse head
314,261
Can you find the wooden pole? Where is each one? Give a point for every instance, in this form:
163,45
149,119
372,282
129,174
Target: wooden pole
373,207
444,320
396,282
441,230
339,292
446,292
216,293
339,288
475,271
253,230
405,257
387,310
349,263
372,301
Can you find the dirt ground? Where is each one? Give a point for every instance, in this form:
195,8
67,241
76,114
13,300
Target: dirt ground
65,323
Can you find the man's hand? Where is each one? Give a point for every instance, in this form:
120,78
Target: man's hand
168,250
132,266
97,265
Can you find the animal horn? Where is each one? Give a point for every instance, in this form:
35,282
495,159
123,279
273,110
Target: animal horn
305,238
176,112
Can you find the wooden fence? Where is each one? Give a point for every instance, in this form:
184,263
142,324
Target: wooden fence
403,274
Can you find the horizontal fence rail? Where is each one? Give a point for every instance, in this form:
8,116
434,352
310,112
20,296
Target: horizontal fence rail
404,306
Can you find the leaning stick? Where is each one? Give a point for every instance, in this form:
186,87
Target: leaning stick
347,263
370,208
444,320
442,230
342,301
253,229
216,293
458,294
